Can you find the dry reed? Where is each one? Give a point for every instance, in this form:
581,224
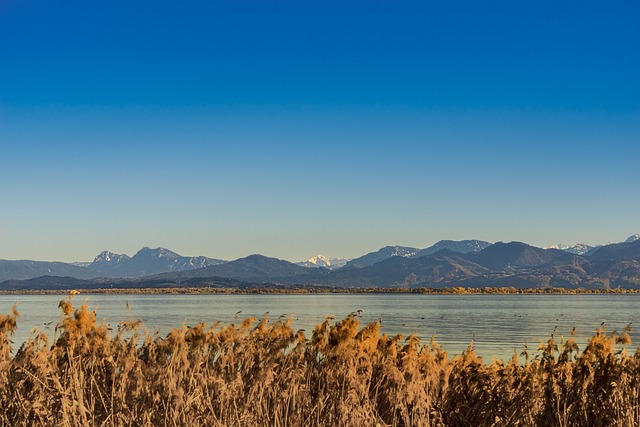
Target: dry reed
265,373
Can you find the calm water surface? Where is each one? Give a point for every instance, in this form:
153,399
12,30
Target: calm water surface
497,324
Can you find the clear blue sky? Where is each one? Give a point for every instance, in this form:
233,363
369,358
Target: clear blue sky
291,128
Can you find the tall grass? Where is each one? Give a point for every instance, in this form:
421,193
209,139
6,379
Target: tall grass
261,373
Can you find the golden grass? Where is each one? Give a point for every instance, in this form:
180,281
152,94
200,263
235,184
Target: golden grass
261,373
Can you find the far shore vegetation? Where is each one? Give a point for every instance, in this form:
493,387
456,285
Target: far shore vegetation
456,290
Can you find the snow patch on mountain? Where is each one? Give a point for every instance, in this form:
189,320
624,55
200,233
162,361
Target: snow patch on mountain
323,261
381,255
633,238
463,246
559,246
81,263
578,249
106,257
320,261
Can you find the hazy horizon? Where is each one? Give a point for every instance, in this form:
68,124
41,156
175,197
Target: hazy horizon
292,129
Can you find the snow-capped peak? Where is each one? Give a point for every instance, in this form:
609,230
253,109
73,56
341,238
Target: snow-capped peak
578,249
156,253
103,256
633,238
109,257
323,261
320,261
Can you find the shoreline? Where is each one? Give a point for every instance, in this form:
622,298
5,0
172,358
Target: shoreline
322,290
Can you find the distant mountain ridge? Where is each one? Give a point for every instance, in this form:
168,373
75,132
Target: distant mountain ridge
252,267
26,269
446,263
148,262
588,250
462,246
615,251
513,264
441,267
501,264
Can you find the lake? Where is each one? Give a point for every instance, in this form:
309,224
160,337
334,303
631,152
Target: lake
497,324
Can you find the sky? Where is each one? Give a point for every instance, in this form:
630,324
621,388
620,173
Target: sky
293,128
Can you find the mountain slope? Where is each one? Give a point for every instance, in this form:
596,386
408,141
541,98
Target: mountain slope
252,267
513,255
462,246
382,254
632,238
578,249
25,269
617,251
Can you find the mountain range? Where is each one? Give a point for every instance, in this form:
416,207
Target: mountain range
470,263
107,265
